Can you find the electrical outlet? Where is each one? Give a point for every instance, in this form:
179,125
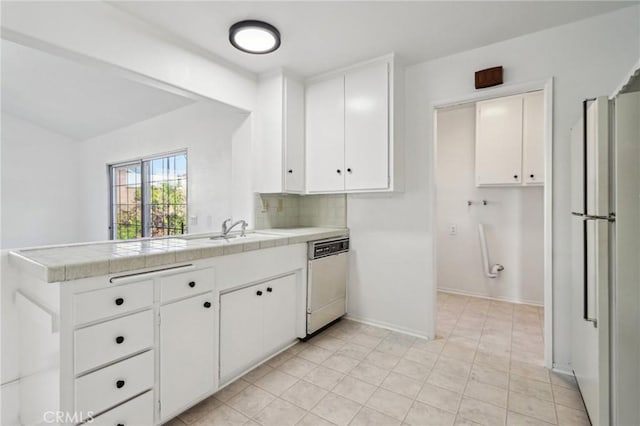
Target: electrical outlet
453,229
193,220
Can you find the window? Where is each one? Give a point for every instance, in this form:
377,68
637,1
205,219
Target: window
149,197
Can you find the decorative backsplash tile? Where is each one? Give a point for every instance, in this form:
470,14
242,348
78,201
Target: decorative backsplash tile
290,210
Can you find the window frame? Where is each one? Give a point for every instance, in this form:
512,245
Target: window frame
143,163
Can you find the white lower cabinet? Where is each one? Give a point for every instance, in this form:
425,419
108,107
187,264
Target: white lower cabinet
255,322
187,352
136,412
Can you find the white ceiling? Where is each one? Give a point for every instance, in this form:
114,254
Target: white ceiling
72,99
323,35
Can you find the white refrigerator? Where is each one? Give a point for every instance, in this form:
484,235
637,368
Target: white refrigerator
605,152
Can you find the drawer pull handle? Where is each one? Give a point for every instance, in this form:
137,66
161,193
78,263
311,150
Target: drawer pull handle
119,301
259,292
515,176
290,171
120,384
349,170
207,305
119,339
339,171
192,284
269,289
531,176
120,424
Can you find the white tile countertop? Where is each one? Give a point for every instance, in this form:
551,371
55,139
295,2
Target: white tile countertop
70,262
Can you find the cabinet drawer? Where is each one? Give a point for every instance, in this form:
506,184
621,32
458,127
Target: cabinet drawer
138,411
107,387
112,301
185,284
113,339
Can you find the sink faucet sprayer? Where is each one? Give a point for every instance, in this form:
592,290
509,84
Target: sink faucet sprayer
226,228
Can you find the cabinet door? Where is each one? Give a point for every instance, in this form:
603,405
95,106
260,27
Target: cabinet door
279,321
240,330
499,141
325,135
533,138
367,128
187,352
294,135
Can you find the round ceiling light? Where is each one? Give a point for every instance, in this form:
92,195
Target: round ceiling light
254,37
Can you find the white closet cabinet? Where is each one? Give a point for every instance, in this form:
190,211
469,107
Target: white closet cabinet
279,156
255,322
510,141
349,130
187,352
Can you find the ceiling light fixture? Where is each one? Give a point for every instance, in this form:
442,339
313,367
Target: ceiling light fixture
254,37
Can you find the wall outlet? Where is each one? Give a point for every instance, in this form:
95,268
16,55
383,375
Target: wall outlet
193,220
453,229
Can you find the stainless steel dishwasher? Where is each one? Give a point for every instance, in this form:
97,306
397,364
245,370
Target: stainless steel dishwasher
326,282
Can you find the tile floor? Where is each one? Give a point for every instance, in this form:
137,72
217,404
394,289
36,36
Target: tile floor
485,368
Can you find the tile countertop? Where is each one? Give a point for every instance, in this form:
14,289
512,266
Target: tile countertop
71,262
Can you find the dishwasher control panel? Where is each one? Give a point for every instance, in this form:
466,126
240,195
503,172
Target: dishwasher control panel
323,248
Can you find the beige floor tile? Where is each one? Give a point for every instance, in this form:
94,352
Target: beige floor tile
567,397
516,419
425,415
494,361
327,342
530,388
458,351
570,417
440,398
487,393
324,377
447,380
280,413
530,371
366,340
251,400
231,390
276,382
374,331
370,417
175,422
392,347
312,420
412,369
389,403
354,389
532,407
421,356
564,380
297,367
382,360
257,372
304,394
488,375
315,354
336,409
461,421
199,410
482,412
434,346
354,351
452,366
297,348
279,359
402,384
222,416
369,373
341,363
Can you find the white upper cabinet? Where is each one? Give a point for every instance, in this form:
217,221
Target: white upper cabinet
350,139
510,140
325,135
533,139
279,150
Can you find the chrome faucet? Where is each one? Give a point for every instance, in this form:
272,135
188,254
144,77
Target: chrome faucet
227,228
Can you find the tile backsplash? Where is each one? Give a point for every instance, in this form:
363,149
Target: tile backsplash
290,210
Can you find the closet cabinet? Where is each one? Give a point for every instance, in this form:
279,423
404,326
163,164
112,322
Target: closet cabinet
255,322
349,130
510,140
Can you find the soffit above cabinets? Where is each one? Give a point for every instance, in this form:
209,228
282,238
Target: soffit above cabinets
318,36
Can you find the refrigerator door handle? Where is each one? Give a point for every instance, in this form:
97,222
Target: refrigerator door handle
585,311
585,116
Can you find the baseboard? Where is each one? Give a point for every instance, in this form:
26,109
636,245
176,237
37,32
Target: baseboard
482,296
388,326
562,369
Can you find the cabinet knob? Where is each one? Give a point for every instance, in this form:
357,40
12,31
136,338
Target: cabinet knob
290,171
120,384
119,339
269,289
120,424
119,301
515,176
192,284
349,170
338,171
259,292
207,305
531,176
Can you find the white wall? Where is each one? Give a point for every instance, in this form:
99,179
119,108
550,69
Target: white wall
392,277
40,203
205,129
513,220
